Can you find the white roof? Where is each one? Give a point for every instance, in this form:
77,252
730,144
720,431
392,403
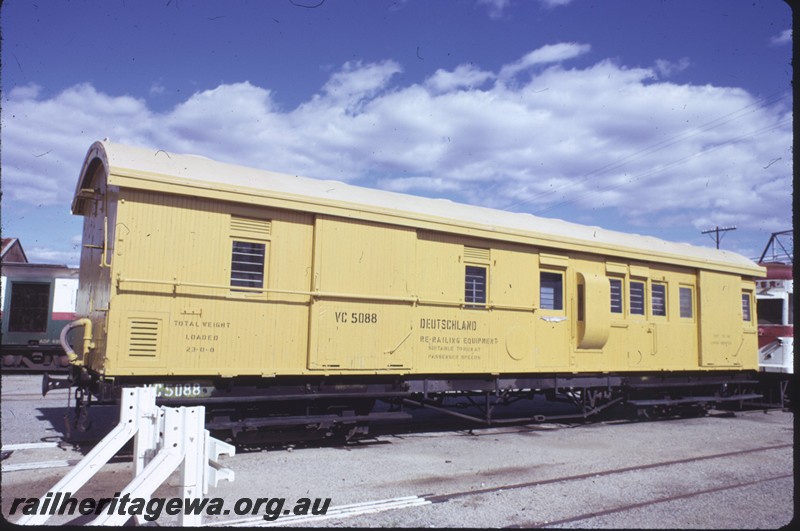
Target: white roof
197,171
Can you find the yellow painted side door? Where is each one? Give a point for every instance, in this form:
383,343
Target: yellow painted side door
721,330
361,313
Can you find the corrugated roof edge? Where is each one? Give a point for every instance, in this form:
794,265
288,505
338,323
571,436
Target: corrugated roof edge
156,164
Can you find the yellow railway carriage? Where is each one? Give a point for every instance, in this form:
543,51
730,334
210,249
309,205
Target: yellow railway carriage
268,293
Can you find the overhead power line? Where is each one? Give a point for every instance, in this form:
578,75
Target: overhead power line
668,142
716,230
664,167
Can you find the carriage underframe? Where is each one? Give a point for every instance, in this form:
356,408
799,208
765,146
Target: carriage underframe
289,409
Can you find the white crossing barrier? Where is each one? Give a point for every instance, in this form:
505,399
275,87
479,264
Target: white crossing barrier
165,439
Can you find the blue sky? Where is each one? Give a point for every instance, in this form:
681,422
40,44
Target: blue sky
651,117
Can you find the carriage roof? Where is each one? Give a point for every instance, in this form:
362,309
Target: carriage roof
159,170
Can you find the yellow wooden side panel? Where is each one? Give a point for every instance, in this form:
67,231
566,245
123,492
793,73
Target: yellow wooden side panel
150,322
512,289
459,338
721,328
356,257
676,337
438,269
168,237
641,329
617,345
177,313
448,337
343,295
636,342
616,349
553,349
512,277
451,340
362,318
749,348
291,269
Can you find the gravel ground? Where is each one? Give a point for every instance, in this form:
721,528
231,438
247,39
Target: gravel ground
731,472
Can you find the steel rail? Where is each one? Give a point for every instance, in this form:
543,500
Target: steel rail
638,505
447,497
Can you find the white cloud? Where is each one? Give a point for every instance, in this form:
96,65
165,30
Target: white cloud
551,53
464,76
44,255
419,184
496,7
26,92
555,3
785,37
667,68
41,137
656,153
356,82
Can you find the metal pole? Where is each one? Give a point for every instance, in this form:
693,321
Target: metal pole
716,230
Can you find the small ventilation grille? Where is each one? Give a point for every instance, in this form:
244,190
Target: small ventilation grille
251,228
476,254
143,337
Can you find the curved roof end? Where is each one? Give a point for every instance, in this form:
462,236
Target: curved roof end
87,188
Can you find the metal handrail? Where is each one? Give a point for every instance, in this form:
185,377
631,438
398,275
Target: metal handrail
323,294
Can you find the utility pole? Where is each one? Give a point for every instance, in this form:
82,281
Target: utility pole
716,230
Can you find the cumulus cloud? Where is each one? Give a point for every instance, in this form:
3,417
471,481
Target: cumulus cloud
41,137
603,138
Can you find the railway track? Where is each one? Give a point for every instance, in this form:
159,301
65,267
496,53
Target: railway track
447,497
408,502
423,495
27,397
639,505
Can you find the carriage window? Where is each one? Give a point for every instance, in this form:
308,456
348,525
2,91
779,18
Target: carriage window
616,295
659,299
770,311
637,298
475,286
685,295
249,251
746,307
30,307
247,264
551,291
